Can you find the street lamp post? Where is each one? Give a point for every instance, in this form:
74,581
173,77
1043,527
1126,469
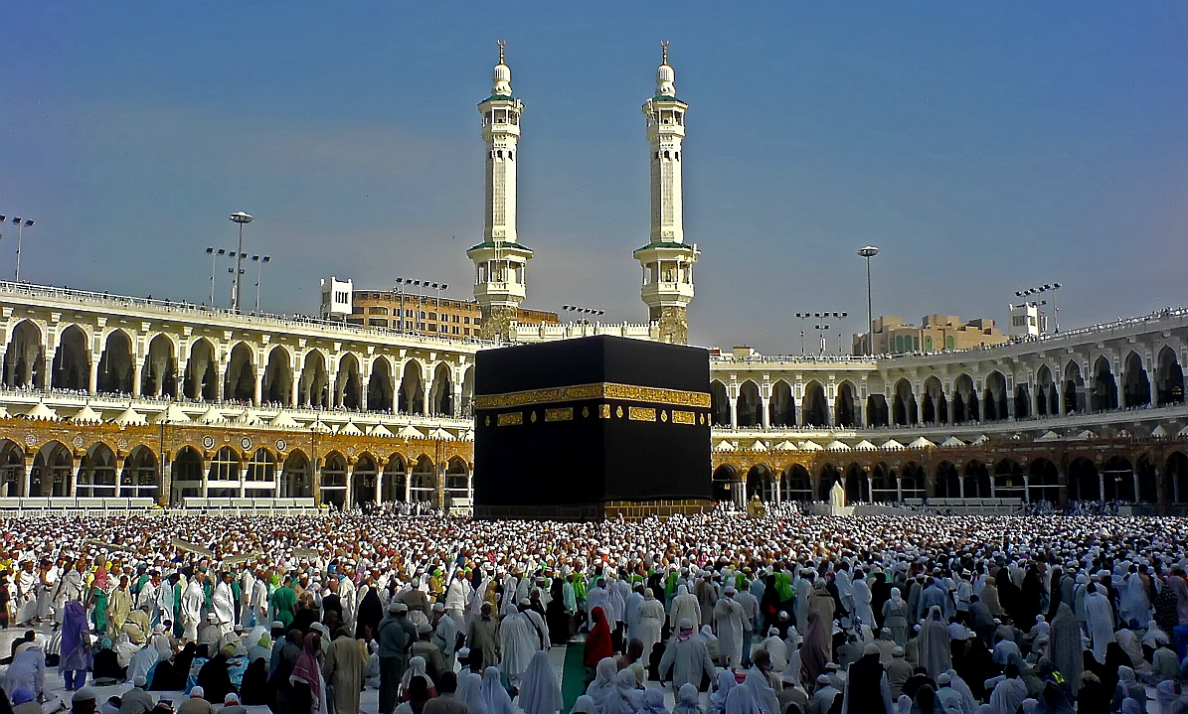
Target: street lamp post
803,316
21,224
214,254
1041,289
822,328
242,219
583,311
869,252
259,260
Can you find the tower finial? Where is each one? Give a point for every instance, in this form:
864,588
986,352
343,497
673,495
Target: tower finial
664,52
503,43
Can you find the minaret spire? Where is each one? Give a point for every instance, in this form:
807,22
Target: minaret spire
667,261
500,260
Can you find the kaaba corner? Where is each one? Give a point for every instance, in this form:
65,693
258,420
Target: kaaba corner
591,428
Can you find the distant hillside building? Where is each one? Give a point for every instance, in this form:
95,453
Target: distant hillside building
429,315
937,333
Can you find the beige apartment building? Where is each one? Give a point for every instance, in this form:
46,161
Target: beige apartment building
429,315
936,333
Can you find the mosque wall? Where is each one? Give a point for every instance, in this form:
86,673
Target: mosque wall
1092,413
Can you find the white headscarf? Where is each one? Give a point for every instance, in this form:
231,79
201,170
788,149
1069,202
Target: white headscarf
494,695
539,692
470,690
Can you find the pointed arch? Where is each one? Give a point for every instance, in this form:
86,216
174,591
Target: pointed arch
72,361
296,480
948,480
379,386
142,474
24,357
845,412
994,397
726,482
882,484
187,470
934,407
1118,475
782,408
201,377
395,479
457,479
877,413
1043,481
816,407
1083,483
412,389
348,383
965,400
277,387
52,466
1169,383
1008,480
857,485
912,480
1022,401
750,406
798,484
976,479
1047,400
116,364
223,476
1176,477
334,480
363,480
760,483
720,404
313,387
423,487
1136,387
1105,387
239,384
903,406
12,469
830,474
97,473
159,372
1073,388
467,406
441,399
1148,489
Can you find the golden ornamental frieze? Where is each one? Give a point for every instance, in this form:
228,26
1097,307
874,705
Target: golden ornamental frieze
597,390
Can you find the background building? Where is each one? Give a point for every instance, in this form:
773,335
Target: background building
428,315
937,333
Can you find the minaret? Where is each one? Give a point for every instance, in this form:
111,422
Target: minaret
667,261
499,261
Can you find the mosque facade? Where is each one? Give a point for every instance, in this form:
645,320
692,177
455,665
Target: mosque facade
111,402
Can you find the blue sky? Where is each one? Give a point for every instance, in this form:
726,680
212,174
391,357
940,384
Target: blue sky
983,147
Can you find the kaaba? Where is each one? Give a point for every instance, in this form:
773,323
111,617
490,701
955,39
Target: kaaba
591,428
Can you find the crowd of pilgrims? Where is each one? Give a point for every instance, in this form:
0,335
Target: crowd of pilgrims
729,614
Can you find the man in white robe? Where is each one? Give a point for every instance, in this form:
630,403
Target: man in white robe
728,620
192,602
687,658
862,599
222,603
457,599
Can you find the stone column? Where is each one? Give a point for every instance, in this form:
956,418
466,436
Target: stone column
93,381
349,498
859,414
1135,478
243,477
766,416
72,487
379,481
165,492
830,414
457,400
119,476
258,394
961,485
137,366
427,395
730,394
408,485
205,487
28,487
1060,395
898,489
1101,485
